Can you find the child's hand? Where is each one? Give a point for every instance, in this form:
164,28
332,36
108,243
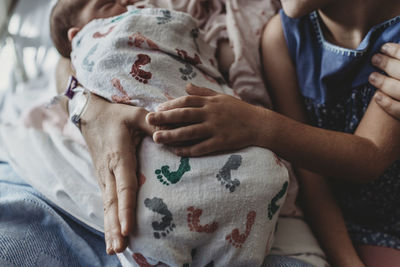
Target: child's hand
389,85
112,133
215,122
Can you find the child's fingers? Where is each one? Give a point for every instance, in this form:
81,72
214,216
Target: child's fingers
175,116
391,49
391,106
192,89
182,134
386,84
206,147
388,64
182,102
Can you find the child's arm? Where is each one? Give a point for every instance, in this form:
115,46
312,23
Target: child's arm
223,123
319,204
326,220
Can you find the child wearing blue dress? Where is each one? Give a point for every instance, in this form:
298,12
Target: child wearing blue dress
321,69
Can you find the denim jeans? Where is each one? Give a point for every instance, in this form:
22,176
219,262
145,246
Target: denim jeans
33,232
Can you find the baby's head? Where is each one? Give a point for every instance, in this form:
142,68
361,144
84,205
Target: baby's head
69,16
299,8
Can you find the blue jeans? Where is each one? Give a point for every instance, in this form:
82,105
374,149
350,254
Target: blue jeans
33,232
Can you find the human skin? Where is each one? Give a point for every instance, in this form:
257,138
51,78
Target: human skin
218,121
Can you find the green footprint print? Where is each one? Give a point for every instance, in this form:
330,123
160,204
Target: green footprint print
166,177
273,207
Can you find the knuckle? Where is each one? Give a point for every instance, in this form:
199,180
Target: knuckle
108,204
126,189
113,158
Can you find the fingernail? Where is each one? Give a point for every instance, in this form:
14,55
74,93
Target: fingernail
377,59
149,118
385,48
373,78
115,245
378,97
124,228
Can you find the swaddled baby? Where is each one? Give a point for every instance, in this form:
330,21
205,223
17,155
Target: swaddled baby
209,211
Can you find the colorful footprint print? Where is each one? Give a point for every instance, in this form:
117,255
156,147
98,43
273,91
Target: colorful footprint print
165,18
120,17
195,60
237,239
124,99
273,207
166,225
142,261
193,218
137,40
87,64
139,74
97,35
188,72
166,177
142,180
225,176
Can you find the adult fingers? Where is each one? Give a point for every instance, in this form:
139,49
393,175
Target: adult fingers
126,188
175,116
182,102
386,84
114,239
390,105
388,64
391,49
192,89
182,134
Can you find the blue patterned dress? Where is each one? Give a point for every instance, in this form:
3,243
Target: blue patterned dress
334,83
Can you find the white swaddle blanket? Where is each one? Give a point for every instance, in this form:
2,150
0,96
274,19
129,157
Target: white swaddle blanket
196,211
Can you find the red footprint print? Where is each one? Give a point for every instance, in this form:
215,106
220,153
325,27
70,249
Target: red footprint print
137,40
192,60
142,179
139,74
116,98
97,35
141,260
193,219
237,239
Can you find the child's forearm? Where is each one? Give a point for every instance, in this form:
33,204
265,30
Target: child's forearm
327,221
330,153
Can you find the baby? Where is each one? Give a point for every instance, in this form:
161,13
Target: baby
211,211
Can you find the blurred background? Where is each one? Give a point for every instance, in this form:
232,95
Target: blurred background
27,59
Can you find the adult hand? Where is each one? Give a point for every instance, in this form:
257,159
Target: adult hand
210,122
112,133
389,85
